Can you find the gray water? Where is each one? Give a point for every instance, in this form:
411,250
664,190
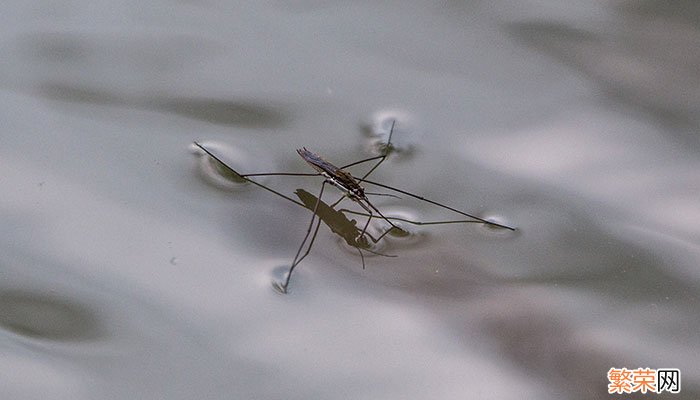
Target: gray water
131,268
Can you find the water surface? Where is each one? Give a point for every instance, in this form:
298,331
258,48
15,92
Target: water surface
130,268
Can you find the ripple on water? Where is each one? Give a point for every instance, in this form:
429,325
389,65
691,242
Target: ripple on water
496,231
385,238
369,247
42,316
411,232
404,138
279,275
223,176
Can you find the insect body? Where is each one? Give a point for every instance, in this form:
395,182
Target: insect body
337,177
344,181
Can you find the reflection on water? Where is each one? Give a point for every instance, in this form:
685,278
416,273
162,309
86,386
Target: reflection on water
338,222
245,114
235,113
39,316
123,274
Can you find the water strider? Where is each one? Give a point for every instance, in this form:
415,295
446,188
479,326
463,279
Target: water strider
351,187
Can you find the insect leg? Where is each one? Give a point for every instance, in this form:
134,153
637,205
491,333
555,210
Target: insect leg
245,176
386,152
415,196
412,222
338,202
380,158
371,215
380,214
297,257
368,219
278,174
362,257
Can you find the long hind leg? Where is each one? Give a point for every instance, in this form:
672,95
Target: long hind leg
299,256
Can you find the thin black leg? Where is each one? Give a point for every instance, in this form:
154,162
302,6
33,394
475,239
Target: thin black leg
380,214
338,202
382,157
362,257
386,151
415,196
361,161
297,257
412,222
364,230
278,174
245,177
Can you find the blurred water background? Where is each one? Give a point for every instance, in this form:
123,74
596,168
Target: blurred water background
129,269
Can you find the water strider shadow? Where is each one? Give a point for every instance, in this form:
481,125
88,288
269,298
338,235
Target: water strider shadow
242,113
683,11
129,71
335,220
47,316
235,112
82,94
